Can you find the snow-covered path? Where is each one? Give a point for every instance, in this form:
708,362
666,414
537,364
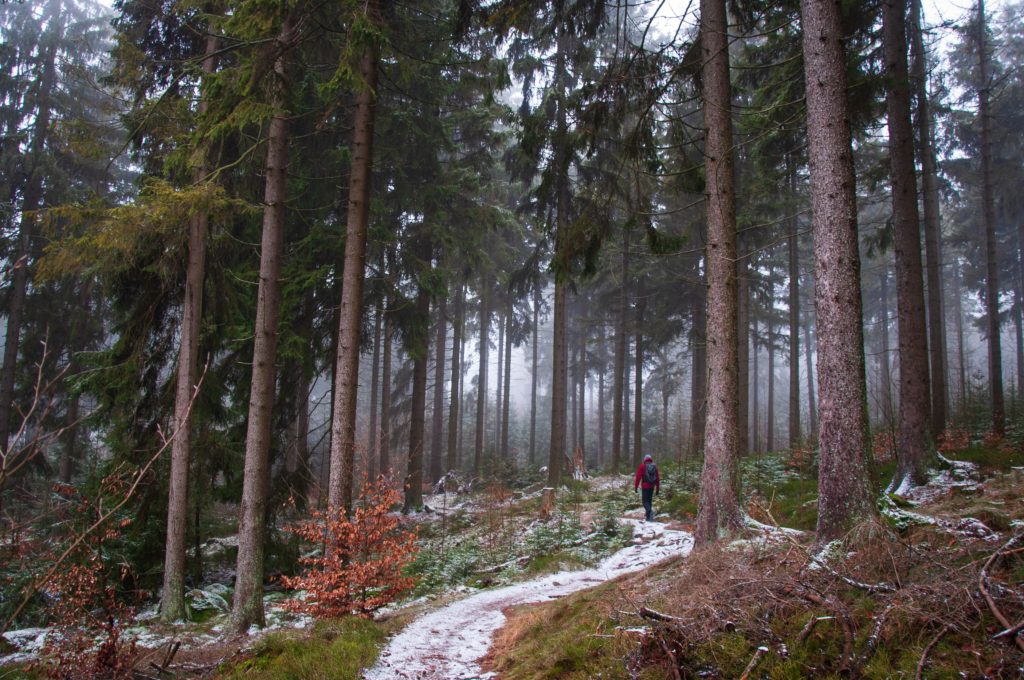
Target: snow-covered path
448,643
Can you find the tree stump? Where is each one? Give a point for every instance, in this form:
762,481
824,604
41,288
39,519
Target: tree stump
547,502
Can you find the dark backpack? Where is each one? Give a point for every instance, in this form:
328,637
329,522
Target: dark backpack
650,473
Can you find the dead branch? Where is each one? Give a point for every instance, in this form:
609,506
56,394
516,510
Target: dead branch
756,659
841,616
1010,631
646,613
983,575
166,441
928,648
809,626
875,636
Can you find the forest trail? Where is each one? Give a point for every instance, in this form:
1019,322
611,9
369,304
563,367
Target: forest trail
448,642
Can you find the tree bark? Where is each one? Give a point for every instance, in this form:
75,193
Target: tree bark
481,400
912,457
507,389
454,408
638,377
995,357
743,354
844,492
601,396
385,395
699,374
499,383
373,435
719,513
770,429
437,424
533,380
248,597
618,378
812,407
932,226
755,387
884,361
417,418
794,314
958,303
346,386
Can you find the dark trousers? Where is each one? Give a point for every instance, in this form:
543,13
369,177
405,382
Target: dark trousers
647,495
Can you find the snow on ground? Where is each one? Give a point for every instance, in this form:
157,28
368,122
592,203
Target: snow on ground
447,643
957,474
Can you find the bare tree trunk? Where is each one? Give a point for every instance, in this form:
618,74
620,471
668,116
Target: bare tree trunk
346,386
581,379
481,400
499,382
884,361
755,387
573,398
627,420
437,417
1019,316
417,419
618,377
533,381
794,314
743,354
719,512
508,384
699,375
915,391
374,435
958,303
995,356
812,407
932,225
385,395
454,408
770,430
248,598
844,489
638,377
556,451
601,396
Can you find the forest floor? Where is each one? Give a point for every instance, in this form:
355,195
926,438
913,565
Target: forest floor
505,593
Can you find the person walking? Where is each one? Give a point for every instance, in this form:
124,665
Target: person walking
649,482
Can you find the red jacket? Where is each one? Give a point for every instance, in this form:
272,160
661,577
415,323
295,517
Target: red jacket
638,480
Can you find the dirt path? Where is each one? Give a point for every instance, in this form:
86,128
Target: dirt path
446,643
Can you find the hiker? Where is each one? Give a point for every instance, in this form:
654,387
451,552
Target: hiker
649,481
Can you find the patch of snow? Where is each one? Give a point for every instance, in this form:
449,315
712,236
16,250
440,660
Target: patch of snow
448,642
27,642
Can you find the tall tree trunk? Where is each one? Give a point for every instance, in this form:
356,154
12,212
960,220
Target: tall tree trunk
481,399
574,397
619,374
560,358
417,419
28,232
346,385
743,354
508,384
385,394
755,388
437,425
812,407
638,377
499,382
794,314
844,491
699,374
884,361
602,367
995,357
533,380
1019,316
627,420
248,598
770,429
374,435
455,405
932,225
915,413
958,305
719,513
581,402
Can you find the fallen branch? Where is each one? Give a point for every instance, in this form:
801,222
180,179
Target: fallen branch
806,631
758,655
841,616
876,634
646,613
928,648
983,575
